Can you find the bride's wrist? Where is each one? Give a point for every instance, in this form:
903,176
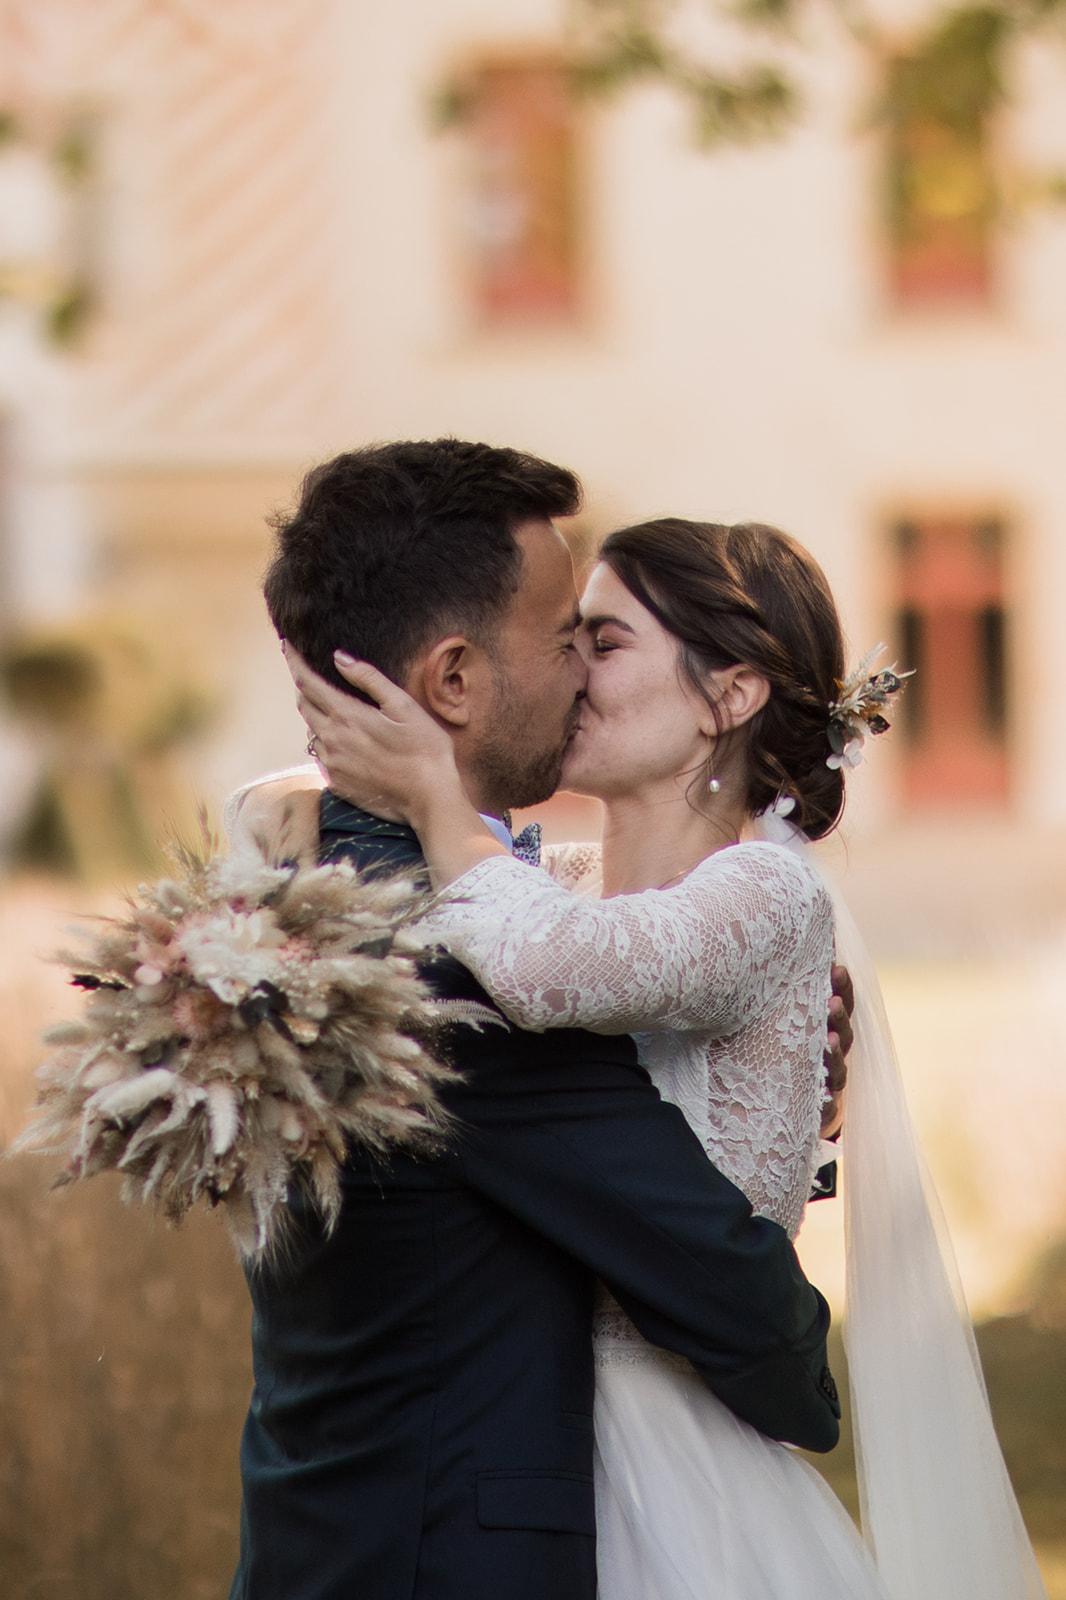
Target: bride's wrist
440,796
453,834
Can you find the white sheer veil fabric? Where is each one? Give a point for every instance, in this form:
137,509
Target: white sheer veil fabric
938,1510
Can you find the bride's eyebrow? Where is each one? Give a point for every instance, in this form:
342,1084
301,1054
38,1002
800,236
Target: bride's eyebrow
592,623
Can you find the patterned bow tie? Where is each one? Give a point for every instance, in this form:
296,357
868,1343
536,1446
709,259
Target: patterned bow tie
526,845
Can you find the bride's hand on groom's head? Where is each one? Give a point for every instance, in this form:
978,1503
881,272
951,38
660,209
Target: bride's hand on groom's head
381,752
841,1038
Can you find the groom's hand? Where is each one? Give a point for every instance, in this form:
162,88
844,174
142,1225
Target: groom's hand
840,1041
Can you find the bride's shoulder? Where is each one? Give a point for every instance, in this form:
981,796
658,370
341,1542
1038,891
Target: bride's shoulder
770,868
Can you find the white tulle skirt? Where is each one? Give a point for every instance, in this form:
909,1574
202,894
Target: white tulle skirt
693,1504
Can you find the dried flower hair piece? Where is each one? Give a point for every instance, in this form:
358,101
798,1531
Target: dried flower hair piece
860,708
244,1021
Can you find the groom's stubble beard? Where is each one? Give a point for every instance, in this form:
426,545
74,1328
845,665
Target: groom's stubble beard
511,771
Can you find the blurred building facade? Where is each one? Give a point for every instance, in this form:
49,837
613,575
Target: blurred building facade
829,332
284,257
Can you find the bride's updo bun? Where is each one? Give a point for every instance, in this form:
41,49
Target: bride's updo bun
750,594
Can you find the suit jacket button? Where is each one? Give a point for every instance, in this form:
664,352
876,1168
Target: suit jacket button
828,1387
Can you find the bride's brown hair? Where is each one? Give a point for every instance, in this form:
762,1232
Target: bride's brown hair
749,594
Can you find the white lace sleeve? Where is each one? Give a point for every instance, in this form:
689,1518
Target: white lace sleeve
713,953
260,800
576,865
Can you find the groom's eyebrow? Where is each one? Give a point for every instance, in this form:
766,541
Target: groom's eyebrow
572,624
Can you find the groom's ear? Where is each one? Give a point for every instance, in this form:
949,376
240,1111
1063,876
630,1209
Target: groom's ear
448,679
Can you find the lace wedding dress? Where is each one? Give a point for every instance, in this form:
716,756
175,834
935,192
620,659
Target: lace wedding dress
723,981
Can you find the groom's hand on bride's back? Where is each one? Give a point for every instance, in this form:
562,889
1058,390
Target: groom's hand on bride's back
839,1042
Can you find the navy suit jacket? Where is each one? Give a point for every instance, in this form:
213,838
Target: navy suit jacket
421,1422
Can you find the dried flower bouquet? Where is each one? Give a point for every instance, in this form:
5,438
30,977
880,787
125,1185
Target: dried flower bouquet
245,1020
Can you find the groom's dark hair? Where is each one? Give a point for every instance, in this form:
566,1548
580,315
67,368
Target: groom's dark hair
396,544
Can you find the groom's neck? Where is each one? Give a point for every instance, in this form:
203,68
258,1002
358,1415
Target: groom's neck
484,797
480,796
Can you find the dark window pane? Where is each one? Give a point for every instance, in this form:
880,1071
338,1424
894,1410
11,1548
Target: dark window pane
910,629
951,628
988,536
993,644
941,194
908,537
523,209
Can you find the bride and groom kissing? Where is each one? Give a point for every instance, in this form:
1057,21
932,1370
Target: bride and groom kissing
575,1347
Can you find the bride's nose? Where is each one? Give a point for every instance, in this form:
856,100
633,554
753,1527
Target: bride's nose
580,669
583,650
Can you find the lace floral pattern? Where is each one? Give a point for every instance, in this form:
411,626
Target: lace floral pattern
723,982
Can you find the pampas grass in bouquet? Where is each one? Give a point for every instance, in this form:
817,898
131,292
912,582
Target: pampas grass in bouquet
245,1019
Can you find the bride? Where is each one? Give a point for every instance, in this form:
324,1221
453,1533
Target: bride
717,730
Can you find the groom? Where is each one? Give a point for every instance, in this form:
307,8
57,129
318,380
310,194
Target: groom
421,1423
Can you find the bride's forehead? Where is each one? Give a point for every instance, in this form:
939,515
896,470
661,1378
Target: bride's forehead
605,595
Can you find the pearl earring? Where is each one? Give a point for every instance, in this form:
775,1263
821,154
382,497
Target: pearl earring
713,786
